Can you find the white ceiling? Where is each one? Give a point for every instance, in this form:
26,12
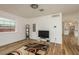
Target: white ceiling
26,11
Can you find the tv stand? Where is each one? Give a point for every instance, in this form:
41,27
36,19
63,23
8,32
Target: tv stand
45,40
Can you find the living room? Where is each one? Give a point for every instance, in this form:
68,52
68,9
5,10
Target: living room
38,25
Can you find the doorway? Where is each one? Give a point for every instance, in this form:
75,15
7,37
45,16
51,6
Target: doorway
70,37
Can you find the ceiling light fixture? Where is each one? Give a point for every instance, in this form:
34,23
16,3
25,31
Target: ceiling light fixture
34,6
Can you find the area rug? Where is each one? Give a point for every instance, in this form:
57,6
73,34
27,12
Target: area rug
31,49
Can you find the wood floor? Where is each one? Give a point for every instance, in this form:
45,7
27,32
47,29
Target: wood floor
70,46
54,49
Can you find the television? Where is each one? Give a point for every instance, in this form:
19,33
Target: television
43,34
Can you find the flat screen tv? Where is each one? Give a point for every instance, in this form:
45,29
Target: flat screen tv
43,34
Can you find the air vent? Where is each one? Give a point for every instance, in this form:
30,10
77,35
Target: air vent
41,10
55,15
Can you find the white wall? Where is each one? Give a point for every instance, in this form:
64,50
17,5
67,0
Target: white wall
9,37
42,23
47,23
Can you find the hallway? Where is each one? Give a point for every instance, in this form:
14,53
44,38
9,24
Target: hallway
70,46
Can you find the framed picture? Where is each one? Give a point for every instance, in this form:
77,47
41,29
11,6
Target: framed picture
34,27
7,25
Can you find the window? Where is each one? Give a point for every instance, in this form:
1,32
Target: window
7,25
34,27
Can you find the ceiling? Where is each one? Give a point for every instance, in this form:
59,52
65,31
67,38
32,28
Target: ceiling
26,11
